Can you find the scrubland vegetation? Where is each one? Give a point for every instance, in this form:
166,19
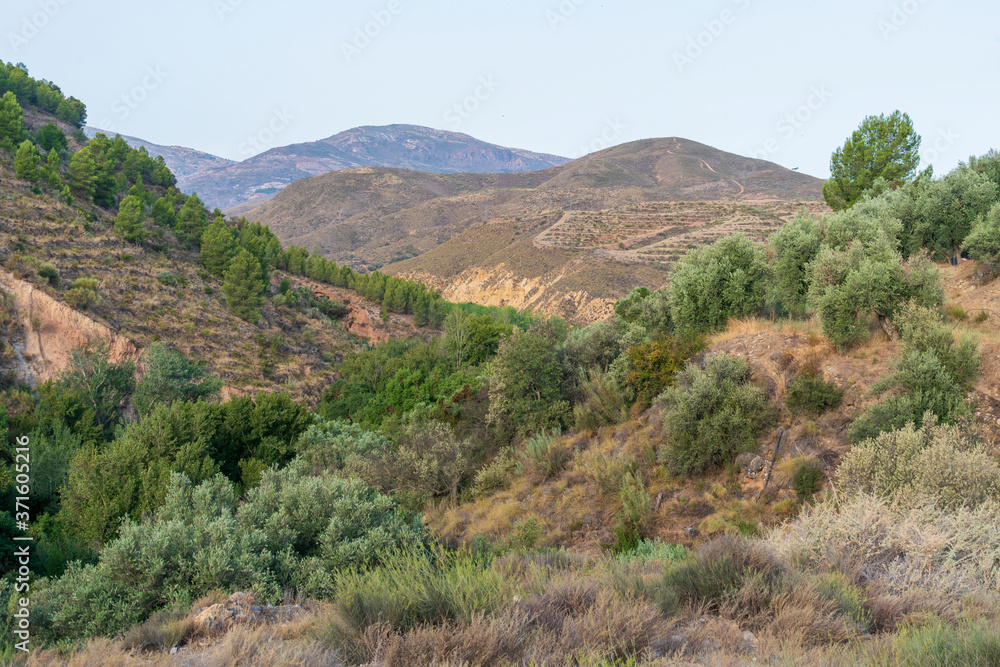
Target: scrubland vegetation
153,499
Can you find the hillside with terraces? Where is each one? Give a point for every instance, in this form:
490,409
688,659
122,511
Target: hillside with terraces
565,241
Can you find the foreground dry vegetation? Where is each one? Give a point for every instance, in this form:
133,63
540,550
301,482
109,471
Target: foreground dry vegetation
860,582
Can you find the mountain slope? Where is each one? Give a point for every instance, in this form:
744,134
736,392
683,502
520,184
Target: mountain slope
510,239
184,162
399,146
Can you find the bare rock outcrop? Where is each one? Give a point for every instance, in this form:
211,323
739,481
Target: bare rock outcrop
52,330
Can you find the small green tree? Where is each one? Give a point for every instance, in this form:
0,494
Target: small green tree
882,147
713,414
130,219
26,162
218,247
952,206
793,248
51,172
983,242
526,384
242,286
50,137
83,172
169,376
105,383
717,282
191,221
851,285
12,130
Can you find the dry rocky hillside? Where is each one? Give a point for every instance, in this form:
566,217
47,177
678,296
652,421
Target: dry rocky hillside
565,241
146,295
571,510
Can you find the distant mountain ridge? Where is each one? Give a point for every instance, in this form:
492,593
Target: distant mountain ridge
398,146
239,186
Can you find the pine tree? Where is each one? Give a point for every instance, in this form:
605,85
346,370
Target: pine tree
163,212
52,170
12,130
26,162
128,222
83,172
191,221
218,246
242,286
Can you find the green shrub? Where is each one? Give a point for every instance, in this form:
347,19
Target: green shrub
974,643
50,274
608,471
811,394
794,247
654,550
291,531
167,278
714,571
939,462
806,478
170,376
983,242
655,364
545,455
712,415
525,534
631,520
933,374
887,415
495,476
601,402
411,588
336,447
714,283
83,293
850,600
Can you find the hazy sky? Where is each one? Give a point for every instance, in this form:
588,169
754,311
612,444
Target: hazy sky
778,79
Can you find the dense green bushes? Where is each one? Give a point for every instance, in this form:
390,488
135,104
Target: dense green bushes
716,282
932,375
983,241
292,531
938,462
809,393
711,415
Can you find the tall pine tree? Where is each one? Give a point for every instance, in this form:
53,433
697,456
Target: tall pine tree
218,247
26,162
128,222
243,286
12,130
191,221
